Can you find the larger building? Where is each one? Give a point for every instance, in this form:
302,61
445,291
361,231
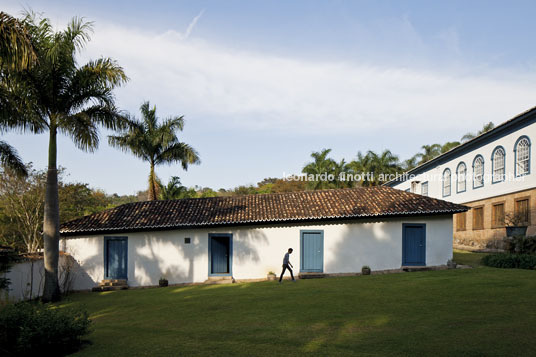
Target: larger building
492,174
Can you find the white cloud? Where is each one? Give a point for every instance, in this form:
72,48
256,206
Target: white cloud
258,90
192,24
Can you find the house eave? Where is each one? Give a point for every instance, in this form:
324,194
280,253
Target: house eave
357,218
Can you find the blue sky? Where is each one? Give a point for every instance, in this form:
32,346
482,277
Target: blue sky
262,84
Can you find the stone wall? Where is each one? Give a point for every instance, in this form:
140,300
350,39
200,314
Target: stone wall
490,237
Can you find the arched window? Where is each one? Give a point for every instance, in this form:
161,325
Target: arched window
446,183
522,154
497,164
478,172
461,173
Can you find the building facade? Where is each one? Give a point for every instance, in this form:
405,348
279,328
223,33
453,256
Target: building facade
493,174
245,237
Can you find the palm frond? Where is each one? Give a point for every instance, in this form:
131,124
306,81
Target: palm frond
179,152
82,129
11,160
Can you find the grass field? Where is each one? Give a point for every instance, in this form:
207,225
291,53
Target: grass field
475,312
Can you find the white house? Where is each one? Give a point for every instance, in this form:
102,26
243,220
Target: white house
491,174
245,237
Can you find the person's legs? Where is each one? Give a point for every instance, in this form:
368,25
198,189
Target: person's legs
283,272
292,275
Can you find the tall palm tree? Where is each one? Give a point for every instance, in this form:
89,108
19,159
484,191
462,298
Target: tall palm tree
320,167
16,54
155,143
58,96
487,127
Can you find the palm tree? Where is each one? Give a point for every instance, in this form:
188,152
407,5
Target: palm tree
58,96
9,159
449,145
16,54
487,127
429,152
173,190
320,168
155,143
16,50
382,165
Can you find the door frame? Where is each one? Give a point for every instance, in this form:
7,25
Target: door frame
106,239
302,269
420,225
230,258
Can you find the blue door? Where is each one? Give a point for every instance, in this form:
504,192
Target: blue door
115,257
413,244
220,254
312,251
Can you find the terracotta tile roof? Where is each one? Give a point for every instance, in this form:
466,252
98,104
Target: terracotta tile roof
268,208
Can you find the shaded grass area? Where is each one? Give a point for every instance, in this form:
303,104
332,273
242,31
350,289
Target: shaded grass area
468,258
471,312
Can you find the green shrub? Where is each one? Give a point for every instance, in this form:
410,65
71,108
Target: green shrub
29,328
520,245
510,261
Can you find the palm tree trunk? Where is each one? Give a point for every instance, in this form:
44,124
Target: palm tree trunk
152,184
51,226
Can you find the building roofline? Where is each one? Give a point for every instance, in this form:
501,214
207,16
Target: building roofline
452,152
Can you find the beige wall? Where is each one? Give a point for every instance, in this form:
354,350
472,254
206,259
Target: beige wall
490,237
258,250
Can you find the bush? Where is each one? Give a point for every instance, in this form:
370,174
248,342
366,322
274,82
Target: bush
510,261
520,245
33,328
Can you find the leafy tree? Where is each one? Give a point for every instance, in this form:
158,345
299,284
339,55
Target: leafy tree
21,209
487,127
155,143
289,186
58,96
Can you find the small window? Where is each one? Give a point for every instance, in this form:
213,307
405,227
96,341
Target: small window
460,221
446,183
478,218
497,215
478,172
522,153
407,190
522,210
498,164
461,172
186,240
424,189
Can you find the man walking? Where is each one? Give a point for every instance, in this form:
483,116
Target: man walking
287,265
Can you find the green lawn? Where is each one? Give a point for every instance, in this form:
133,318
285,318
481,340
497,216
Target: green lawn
476,312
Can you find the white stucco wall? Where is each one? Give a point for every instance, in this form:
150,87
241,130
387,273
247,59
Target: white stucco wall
258,250
514,184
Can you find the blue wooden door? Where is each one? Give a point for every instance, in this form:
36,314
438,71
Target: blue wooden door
116,252
414,244
220,249
312,251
